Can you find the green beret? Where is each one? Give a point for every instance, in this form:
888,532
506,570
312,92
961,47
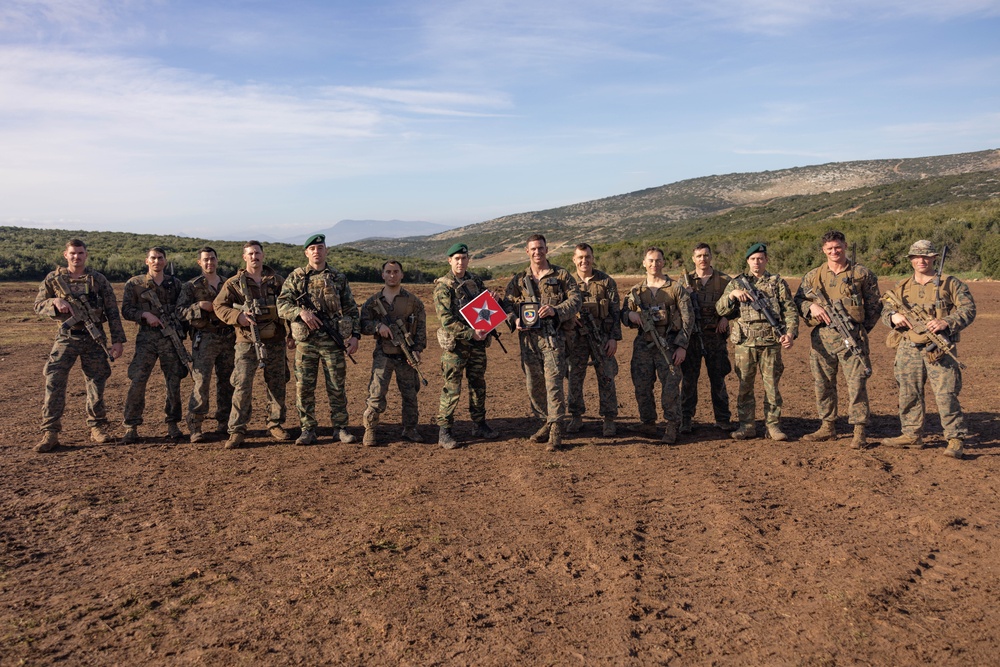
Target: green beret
314,239
458,248
756,247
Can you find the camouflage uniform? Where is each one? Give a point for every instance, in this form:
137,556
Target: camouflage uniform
388,358
756,344
857,288
601,300
715,354
214,348
674,322
228,306
915,364
331,293
95,289
459,352
543,350
151,344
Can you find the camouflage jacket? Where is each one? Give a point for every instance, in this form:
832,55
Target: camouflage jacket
92,287
193,292
330,293
136,299
231,301
673,312
750,328
556,288
856,287
600,299
448,299
951,302
708,294
406,307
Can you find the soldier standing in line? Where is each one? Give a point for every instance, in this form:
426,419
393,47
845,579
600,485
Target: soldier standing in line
151,300
405,311
248,301
547,301
213,347
853,291
92,294
598,319
661,309
948,307
705,285
463,348
757,343
317,300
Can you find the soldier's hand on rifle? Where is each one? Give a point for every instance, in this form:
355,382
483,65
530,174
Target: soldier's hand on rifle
786,341
245,320
899,320
937,326
634,317
740,295
63,306
152,320
310,319
611,347
116,350
679,355
723,326
416,355
352,345
384,331
818,312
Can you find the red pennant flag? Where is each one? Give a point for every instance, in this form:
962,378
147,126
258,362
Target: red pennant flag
483,312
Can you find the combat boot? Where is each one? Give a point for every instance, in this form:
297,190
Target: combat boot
686,426
345,436
100,435
131,435
670,433
194,425
775,433
609,430
483,430
728,427
647,429
446,439
235,441
954,449
49,441
369,439
306,437
279,433
555,437
174,431
542,434
826,431
744,432
905,442
860,440
575,424
412,434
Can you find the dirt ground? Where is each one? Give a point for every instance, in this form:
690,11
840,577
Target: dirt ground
614,552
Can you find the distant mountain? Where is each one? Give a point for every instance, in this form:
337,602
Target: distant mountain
649,213
354,230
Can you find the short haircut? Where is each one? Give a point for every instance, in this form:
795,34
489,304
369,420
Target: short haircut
391,261
702,246
252,242
833,235
75,243
537,237
653,248
157,249
208,248
585,247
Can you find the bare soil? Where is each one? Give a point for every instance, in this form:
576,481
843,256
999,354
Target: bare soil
616,551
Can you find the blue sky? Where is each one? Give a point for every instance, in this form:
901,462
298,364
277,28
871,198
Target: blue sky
215,118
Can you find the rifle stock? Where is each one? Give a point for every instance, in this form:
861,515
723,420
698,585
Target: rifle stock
759,303
918,317
696,305
595,341
305,301
648,325
168,327
83,314
400,337
844,326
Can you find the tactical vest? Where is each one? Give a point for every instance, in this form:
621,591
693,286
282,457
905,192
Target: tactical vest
202,291
664,304
267,294
551,291
936,300
708,294
404,308
752,328
167,292
844,287
83,288
596,300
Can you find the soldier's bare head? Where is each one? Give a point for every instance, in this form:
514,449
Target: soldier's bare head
702,256
652,261
583,259
208,259
537,250
392,273
253,255
156,259
75,255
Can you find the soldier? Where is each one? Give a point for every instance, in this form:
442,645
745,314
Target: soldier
463,348
248,301
150,300
388,357
705,285
949,308
853,291
317,300
547,301
598,319
213,346
757,343
91,292
662,310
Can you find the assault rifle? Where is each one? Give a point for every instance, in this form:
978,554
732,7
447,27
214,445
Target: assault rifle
84,314
648,325
591,330
305,301
918,317
169,327
253,310
696,305
760,304
469,296
546,323
842,323
400,337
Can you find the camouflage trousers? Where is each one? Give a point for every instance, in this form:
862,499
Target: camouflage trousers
648,365
827,355
150,346
407,380
275,378
768,360
913,372
216,352
578,358
716,356
309,355
544,366
469,358
96,371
